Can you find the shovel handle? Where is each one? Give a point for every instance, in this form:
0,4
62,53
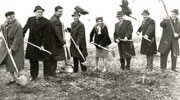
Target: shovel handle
146,39
65,54
101,46
39,47
77,48
11,57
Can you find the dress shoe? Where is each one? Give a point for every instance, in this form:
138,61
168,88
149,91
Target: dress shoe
175,70
11,82
104,70
33,78
122,67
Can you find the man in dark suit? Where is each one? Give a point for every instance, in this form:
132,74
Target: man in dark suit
148,48
57,38
39,30
122,35
169,40
78,35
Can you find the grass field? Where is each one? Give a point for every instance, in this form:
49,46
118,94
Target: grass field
136,84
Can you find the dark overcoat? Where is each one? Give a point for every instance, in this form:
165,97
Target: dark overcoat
39,34
57,38
102,39
78,34
125,29
14,38
168,38
148,28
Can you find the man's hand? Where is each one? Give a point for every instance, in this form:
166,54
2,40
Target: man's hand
91,42
42,48
176,35
64,45
10,51
125,38
146,36
117,40
138,33
77,46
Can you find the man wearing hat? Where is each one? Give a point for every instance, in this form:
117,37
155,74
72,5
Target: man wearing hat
122,36
78,35
148,48
12,32
39,30
169,40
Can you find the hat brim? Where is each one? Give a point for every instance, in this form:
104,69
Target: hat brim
175,12
39,9
119,15
145,13
76,15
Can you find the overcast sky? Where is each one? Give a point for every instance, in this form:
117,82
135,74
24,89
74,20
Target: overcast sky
104,8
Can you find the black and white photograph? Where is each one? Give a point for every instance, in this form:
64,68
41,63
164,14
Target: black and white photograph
89,50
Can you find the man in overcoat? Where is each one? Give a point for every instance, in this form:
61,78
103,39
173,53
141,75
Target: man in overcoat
57,38
78,35
122,35
148,48
169,41
39,30
12,32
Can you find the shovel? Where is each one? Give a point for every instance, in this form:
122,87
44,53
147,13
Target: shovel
85,62
39,47
68,67
146,39
21,80
77,48
112,51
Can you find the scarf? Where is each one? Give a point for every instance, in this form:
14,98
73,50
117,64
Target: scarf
98,28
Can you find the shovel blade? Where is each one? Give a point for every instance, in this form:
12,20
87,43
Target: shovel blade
85,63
22,80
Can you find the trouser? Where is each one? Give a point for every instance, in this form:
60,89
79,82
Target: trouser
76,65
53,67
164,57
127,61
149,61
34,68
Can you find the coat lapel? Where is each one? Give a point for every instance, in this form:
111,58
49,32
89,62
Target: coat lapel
120,26
177,25
3,49
146,23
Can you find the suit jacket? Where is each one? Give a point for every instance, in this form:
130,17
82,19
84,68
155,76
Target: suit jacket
78,34
14,38
126,49
168,40
39,34
148,28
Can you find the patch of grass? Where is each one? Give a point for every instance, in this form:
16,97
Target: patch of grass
112,85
